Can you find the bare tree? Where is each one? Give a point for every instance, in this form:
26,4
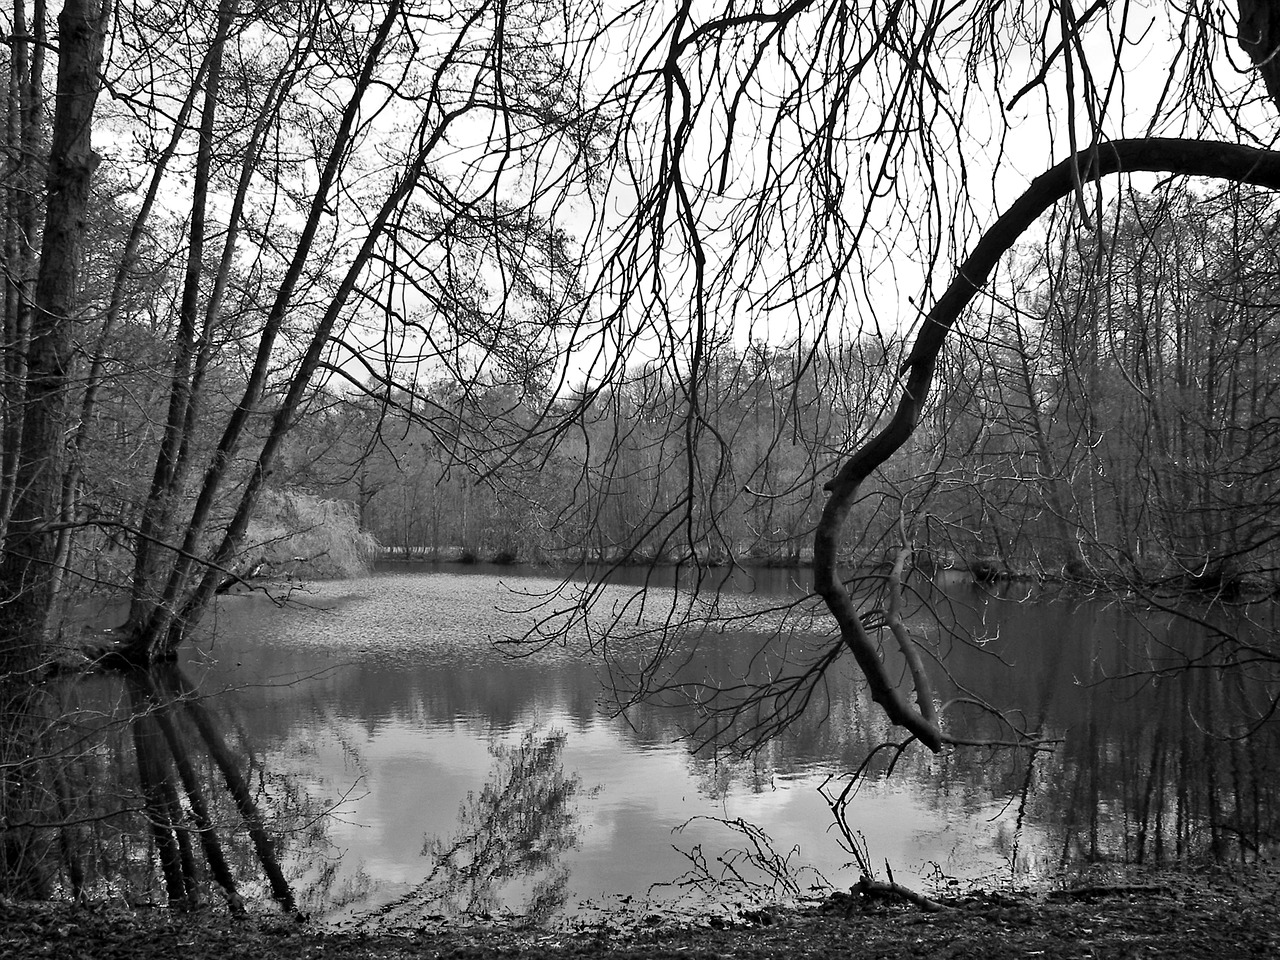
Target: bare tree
43,368
357,185
802,163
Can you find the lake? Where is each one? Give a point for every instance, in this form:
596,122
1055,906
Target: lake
410,769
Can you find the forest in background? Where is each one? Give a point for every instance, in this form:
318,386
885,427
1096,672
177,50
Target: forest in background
1109,416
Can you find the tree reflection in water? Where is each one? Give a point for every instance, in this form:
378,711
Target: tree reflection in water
122,784
1190,780
1158,741
1168,755
1167,740
514,831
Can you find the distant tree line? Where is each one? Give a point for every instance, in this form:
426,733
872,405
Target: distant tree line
1110,414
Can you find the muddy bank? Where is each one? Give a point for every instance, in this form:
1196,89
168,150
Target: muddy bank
1169,916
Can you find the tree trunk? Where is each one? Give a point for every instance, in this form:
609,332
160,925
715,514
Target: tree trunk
26,571
1259,37
157,628
157,515
22,145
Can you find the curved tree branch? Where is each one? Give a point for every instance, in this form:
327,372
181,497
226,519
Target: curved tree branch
1173,156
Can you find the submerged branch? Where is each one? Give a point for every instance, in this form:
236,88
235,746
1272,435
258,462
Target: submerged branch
898,627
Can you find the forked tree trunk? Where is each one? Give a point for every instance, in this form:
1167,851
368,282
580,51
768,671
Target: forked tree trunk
157,515
156,627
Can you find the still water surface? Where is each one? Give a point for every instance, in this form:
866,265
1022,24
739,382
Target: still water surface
455,778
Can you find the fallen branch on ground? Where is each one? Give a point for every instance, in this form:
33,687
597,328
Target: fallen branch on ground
891,890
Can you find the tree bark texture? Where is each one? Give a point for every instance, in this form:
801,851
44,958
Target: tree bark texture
1259,36
23,137
1173,156
27,593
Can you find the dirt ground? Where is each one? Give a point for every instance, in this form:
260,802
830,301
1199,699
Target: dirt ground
1224,917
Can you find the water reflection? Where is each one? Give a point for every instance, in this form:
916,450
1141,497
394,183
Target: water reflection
1165,733
1186,775
125,785
400,767
514,832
